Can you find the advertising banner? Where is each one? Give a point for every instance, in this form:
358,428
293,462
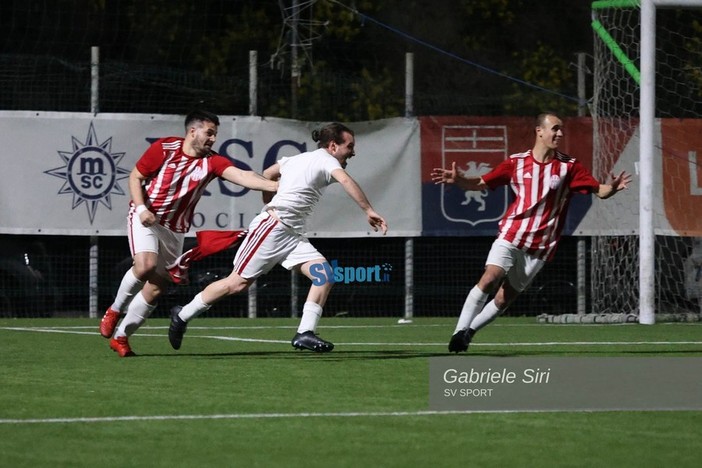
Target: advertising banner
67,173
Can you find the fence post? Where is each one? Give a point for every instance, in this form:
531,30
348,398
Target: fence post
94,252
253,82
409,278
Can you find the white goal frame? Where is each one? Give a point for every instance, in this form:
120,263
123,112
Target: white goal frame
647,238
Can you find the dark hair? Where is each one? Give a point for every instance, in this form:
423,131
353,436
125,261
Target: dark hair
542,117
200,116
330,132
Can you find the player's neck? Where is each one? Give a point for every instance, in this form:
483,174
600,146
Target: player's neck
189,151
543,154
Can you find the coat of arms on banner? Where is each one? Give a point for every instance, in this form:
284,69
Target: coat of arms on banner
90,173
476,150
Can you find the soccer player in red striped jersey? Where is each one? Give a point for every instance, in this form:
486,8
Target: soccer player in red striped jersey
543,180
165,186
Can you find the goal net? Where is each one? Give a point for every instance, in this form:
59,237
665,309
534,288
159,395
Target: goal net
666,194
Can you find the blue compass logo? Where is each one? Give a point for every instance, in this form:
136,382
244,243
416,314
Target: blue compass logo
91,173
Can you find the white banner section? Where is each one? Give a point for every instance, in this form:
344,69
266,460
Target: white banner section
67,173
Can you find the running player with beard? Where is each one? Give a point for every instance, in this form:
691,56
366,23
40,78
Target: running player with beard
165,186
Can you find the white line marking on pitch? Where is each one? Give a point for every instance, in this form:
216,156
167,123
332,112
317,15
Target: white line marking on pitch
391,325
492,344
274,416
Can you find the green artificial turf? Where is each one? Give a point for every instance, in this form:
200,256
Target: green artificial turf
237,394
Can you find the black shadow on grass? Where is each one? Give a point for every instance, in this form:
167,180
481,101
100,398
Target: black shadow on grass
333,356
410,354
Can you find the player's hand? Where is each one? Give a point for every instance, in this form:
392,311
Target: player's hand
444,176
621,181
147,218
377,222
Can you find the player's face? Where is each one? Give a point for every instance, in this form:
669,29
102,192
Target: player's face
204,135
551,131
345,150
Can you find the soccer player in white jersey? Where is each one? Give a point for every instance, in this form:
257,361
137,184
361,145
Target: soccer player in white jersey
543,180
276,235
165,186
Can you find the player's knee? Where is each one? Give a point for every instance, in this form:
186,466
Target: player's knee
488,286
322,275
144,270
151,292
235,284
328,285
490,281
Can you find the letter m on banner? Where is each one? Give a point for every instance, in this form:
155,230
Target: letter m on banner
476,150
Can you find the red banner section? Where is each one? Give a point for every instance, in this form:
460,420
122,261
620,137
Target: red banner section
682,175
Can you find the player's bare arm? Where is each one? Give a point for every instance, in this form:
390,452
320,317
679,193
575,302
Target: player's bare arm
136,190
249,179
618,183
452,176
271,173
356,193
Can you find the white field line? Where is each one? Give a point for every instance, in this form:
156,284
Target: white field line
353,414
244,416
409,325
71,331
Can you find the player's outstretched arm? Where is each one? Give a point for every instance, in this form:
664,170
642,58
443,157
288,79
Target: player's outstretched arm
249,179
356,193
618,183
453,176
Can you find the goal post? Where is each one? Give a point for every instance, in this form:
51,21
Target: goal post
648,118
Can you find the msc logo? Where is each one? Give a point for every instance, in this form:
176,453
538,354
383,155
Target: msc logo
90,173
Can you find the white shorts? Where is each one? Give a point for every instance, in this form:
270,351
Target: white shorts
168,245
520,266
269,243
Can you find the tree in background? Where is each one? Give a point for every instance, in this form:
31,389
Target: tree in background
472,57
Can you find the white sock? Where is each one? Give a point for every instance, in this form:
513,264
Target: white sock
473,304
129,286
137,313
311,312
488,314
193,308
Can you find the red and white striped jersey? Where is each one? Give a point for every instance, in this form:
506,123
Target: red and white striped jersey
535,219
176,181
